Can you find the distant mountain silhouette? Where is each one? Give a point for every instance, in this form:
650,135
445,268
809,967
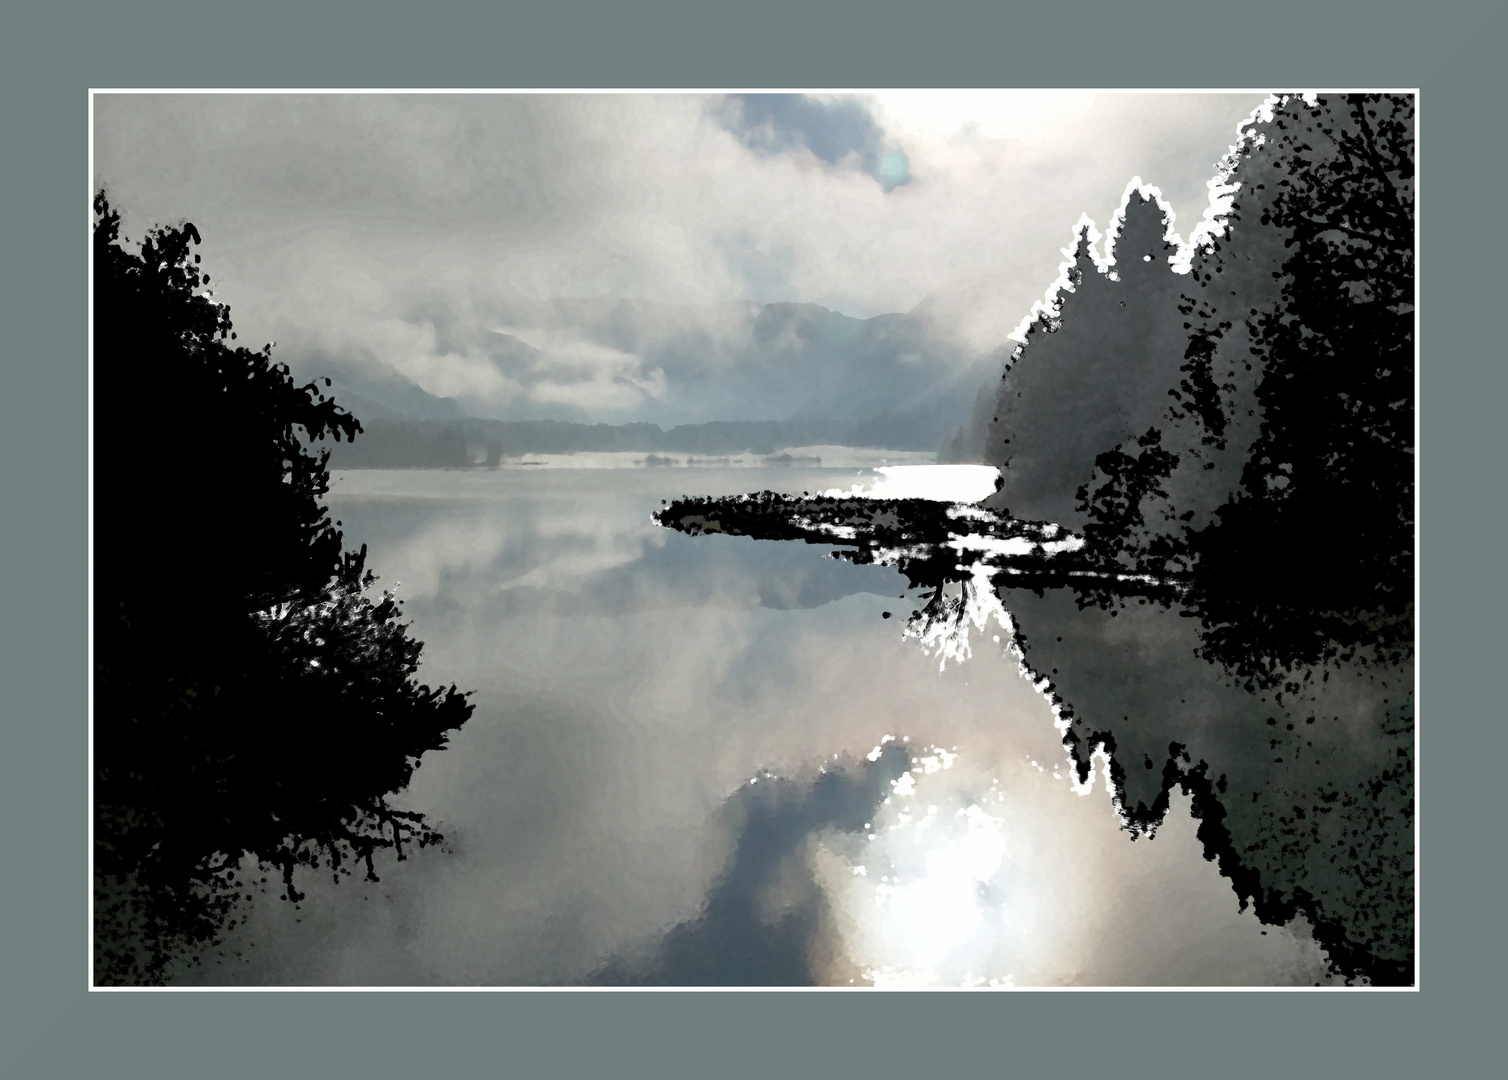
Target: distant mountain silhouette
393,443
892,381
374,390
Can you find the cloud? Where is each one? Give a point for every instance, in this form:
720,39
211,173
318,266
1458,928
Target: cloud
565,369
404,227
838,131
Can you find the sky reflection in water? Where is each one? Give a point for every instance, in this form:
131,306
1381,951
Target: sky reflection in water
674,773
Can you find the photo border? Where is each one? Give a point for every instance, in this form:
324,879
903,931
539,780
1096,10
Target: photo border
53,53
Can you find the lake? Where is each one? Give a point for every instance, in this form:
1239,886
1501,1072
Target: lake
716,759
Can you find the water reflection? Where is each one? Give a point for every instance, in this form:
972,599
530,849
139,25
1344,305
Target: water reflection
1303,790
668,775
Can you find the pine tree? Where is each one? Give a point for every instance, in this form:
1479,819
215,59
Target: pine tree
1260,517
1312,557
1281,486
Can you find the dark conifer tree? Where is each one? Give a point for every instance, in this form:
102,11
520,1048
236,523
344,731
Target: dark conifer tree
1313,556
1278,486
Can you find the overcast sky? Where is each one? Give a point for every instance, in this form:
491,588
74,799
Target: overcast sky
402,229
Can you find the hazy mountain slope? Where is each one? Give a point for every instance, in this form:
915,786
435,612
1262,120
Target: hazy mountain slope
887,381
373,390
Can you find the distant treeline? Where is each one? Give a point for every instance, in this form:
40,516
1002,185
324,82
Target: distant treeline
438,444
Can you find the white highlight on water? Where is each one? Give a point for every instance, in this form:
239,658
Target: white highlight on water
940,483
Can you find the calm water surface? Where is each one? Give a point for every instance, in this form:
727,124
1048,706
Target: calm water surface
683,767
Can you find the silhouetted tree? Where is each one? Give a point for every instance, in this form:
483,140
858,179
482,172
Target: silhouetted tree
1296,401
249,698
1314,554
1300,315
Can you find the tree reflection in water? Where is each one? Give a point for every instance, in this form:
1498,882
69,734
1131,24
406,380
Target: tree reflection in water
1201,547
1304,799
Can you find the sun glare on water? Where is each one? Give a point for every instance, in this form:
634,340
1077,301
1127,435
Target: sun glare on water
924,901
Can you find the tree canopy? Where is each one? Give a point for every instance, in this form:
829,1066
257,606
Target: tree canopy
1313,555
250,698
1245,428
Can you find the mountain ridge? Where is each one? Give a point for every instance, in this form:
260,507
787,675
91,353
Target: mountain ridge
802,371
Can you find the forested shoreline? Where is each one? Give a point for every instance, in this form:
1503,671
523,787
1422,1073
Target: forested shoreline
459,444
